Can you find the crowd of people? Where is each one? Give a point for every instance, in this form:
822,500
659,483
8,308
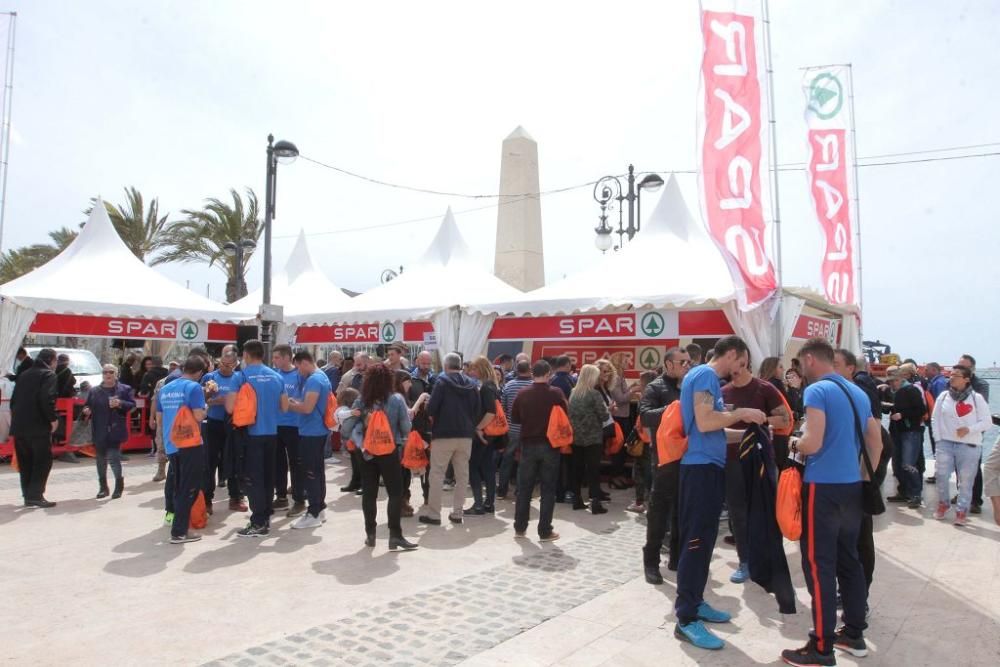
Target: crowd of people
262,432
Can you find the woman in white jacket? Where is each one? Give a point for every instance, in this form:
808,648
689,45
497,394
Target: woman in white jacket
960,418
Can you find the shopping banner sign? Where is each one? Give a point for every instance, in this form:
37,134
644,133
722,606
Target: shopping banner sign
830,152
732,136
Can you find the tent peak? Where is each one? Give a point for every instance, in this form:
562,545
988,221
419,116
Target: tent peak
520,133
447,245
299,260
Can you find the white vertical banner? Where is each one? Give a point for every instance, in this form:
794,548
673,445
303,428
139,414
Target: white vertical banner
831,153
733,165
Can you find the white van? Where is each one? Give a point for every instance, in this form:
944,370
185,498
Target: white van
83,363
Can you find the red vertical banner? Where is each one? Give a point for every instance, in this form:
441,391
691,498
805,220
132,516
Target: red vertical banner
827,114
731,153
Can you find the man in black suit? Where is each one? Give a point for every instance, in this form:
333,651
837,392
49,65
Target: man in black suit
33,420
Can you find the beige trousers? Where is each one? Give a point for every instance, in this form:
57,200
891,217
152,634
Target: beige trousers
445,451
991,472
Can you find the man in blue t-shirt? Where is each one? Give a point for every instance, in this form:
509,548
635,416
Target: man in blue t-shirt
287,464
185,474
703,486
837,414
219,384
259,452
311,409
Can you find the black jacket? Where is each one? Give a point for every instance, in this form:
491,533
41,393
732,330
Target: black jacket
25,364
33,404
981,387
867,384
150,378
658,394
454,407
909,402
65,382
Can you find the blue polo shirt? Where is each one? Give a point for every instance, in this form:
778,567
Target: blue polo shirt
172,397
837,461
702,447
269,387
312,423
293,387
227,385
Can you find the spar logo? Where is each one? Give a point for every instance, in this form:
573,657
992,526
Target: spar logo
826,96
389,332
649,358
652,325
189,330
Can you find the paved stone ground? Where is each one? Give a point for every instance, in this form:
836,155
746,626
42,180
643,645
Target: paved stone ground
96,583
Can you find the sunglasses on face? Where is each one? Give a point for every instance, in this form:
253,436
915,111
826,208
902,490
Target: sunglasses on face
107,372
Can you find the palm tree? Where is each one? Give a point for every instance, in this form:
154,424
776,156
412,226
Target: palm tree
141,229
202,236
19,261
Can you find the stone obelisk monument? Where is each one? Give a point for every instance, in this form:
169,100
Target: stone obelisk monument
519,259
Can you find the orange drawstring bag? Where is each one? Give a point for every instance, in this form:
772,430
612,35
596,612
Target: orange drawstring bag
559,431
199,512
415,452
671,443
245,408
330,414
641,430
185,431
13,461
614,444
378,435
499,425
788,507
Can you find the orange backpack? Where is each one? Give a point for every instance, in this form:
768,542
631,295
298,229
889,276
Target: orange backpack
415,452
929,403
786,430
499,425
199,512
671,443
330,414
788,506
185,431
378,435
559,431
245,408
614,444
641,430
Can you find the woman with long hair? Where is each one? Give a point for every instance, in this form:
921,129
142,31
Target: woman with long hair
772,370
588,414
416,410
377,400
961,416
614,389
482,462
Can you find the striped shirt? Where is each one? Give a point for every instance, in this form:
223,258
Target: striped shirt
510,392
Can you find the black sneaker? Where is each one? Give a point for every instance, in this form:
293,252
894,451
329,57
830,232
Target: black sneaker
808,656
254,531
184,539
41,502
930,480
280,503
429,521
855,647
976,509
473,511
489,509
653,575
914,504
897,498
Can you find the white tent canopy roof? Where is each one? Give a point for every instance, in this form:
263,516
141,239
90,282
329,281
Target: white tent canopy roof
672,263
446,275
98,275
300,288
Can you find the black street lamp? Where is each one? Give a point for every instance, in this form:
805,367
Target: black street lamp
610,188
239,250
284,152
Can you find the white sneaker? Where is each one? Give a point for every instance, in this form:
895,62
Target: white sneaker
322,516
308,521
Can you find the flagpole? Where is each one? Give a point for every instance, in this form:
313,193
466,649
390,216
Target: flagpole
8,104
857,209
778,346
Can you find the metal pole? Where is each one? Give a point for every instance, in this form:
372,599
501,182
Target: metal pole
857,211
268,206
8,97
775,208
631,202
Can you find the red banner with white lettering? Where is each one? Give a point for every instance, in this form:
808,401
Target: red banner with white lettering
733,163
827,114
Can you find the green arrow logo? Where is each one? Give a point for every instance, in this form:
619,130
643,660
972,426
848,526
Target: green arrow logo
649,358
826,96
652,324
389,332
189,330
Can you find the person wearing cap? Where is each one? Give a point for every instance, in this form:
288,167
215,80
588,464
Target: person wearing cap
395,357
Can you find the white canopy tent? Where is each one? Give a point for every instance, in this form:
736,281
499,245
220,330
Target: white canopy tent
98,275
300,289
444,279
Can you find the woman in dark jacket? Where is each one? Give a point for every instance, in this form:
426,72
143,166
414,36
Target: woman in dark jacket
107,408
587,414
482,462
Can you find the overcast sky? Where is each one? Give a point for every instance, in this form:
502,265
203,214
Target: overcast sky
177,99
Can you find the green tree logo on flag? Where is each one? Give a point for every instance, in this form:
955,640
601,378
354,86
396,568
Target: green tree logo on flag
389,332
652,324
826,96
189,330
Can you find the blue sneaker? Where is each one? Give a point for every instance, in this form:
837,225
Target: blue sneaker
696,633
741,574
709,615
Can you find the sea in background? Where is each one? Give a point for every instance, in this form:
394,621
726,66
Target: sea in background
990,439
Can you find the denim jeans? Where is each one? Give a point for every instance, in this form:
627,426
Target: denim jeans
507,462
483,472
961,459
912,445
